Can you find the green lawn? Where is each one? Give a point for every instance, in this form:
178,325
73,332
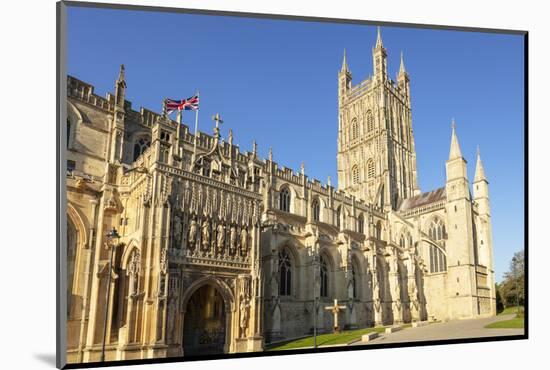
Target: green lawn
511,310
515,323
326,339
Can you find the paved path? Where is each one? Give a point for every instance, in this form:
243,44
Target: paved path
457,329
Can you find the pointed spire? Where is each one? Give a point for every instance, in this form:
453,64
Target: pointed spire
254,148
455,147
402,65
328,181
345,67
121,74
480,171
379,39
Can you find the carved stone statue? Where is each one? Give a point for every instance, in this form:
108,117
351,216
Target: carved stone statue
244,308
206,233
233,239
172,312
244,241
193,233
220,238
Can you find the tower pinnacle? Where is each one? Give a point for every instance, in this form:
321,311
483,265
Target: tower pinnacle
379,39
455,151
480,171
345,67
402,65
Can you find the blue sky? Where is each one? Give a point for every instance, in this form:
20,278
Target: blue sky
276,81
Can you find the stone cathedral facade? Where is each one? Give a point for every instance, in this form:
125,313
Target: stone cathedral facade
221,251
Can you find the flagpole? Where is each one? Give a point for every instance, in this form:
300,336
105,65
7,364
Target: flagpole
196,133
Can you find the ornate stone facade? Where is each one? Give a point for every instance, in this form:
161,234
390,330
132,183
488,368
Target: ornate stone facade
222,251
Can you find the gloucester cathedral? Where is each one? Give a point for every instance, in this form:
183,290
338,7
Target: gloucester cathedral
221,251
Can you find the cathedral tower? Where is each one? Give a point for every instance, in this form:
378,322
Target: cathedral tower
376,154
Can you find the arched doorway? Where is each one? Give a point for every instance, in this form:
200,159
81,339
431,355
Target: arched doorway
204,330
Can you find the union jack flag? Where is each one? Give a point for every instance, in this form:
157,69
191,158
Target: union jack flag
191,103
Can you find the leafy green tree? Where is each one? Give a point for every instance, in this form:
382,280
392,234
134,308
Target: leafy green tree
512,289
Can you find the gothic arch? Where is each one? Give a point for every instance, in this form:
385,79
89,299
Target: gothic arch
220,285
140,142
131,245
78,221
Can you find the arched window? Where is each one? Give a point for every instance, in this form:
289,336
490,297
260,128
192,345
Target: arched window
338,215
324,277
354,129
436,229
140,146
315,209
370,121
355,174
285,273
438,261
378,230
360,224
284,200
370,169
68,131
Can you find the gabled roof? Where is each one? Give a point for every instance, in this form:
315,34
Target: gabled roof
422,199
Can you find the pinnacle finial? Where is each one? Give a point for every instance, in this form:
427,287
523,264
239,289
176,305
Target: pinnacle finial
345,67
121,73
254,147
379,39
271,154
455,151
302,168
402,65
480,171
328,181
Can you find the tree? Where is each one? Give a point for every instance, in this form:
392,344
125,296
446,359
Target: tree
512,289
500,304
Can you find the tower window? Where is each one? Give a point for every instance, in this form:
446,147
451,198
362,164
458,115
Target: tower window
370,169
354,129
370,121
355,174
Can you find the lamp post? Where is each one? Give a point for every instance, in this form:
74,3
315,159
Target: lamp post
112,243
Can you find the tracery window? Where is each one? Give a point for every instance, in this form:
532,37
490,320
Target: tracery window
285,273
354,129
355,174
360,224
370,121
324,277
370,169
436,230
315,209
438,260
284,200
140,146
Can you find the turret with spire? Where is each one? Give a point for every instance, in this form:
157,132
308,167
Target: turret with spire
481,187
344,79
457,178
380,59
403,81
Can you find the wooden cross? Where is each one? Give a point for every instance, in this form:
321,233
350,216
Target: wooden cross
335,309
218,119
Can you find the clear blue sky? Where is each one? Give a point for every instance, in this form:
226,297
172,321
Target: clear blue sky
276,81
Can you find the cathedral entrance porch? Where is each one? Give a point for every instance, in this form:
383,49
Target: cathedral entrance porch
206,328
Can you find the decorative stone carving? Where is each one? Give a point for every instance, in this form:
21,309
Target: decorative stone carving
177,230
193,233
220,240
205,234
244,242
232,239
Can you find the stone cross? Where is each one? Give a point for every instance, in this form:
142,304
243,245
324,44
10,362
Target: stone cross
218,119
335,310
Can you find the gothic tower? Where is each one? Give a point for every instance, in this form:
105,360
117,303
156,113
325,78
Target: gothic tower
460,248
376,154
